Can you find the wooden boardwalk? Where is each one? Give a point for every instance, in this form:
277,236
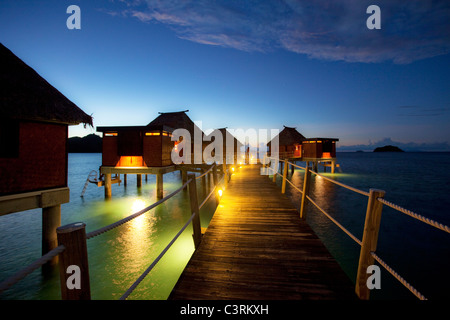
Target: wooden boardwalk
256,247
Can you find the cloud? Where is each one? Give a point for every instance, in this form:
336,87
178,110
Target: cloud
331,30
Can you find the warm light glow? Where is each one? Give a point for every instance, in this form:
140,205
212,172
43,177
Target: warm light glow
326,155
110,134
137,205
220,192
232,169
130,161
152,133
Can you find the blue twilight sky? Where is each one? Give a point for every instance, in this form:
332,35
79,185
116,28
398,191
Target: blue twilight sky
313,65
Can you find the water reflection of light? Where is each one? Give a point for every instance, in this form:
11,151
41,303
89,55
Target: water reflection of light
323,189
138,237
138,205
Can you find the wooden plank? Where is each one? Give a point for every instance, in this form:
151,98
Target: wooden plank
257,247
32,200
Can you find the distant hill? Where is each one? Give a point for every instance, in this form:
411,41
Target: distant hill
388,149
89,144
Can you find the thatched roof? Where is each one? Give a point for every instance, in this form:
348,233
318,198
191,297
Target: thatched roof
176,120
290,136
25,95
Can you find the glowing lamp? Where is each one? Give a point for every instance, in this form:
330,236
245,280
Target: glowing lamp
220,192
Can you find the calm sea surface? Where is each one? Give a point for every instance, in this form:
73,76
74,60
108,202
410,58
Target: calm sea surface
418,252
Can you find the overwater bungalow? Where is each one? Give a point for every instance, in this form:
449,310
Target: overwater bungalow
136,146
289,142
319,148
34,120
293,145
148,149
146,146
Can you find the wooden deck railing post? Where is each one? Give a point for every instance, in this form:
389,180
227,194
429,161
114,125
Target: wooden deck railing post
285,170
214,174
275,167
225,174
196,226
306,184
73,262
369,241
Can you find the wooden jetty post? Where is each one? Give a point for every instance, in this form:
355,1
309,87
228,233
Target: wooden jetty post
285,170
306,184
73,266
159,186
107,171
193,199
50,202
108,193
139,180
275,167
51,220
225,175
369,241
184,178
214,174
204,180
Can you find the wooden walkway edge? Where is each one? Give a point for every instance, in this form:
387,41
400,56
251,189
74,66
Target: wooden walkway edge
257,247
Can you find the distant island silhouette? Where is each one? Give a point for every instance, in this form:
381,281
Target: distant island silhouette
91,143
388,149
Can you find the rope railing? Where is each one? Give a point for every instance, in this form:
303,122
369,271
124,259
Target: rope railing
342,184
135,215
398,277
6,284
207,197
415,215
205,173
163,252
371,207
294,186
334,220
297,166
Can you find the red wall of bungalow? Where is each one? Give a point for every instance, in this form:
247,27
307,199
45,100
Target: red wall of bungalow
129,150
110,156
319,149
39,161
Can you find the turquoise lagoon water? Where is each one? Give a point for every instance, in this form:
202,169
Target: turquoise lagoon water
418,252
